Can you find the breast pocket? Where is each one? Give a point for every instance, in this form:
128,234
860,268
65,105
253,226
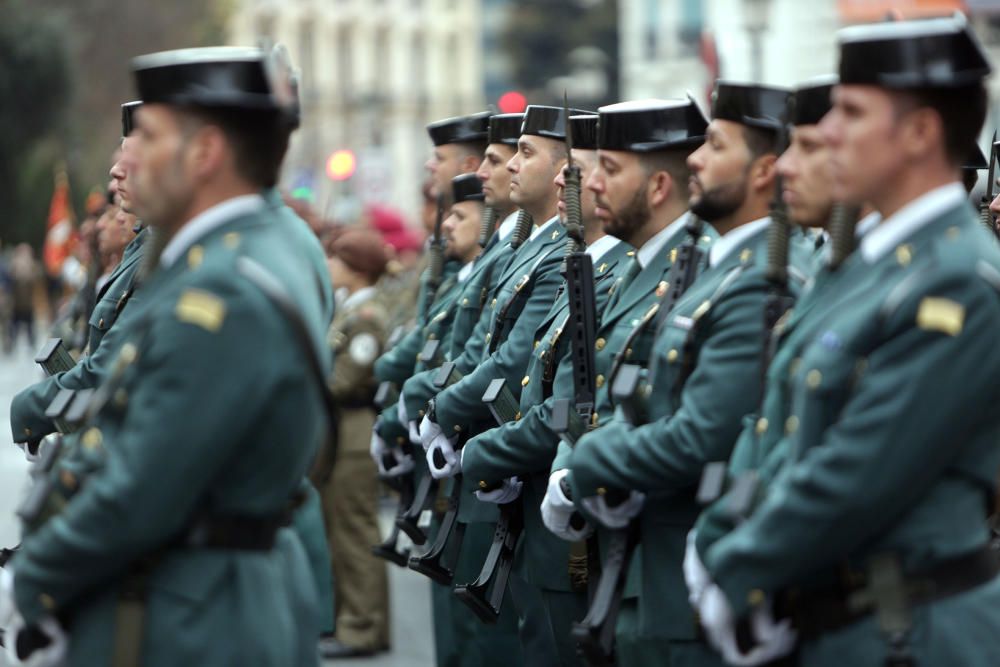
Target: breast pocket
823,381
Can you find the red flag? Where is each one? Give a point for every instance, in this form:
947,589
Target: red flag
60,235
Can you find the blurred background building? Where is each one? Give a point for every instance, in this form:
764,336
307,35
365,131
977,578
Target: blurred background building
373,73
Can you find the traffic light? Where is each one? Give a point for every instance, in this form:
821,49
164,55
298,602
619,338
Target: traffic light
341,165
512,102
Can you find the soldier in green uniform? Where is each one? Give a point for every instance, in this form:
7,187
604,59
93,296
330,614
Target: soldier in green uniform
807,173
516,457
172,536
27,411
458,149
455,629
640,184
350,493
525,291
462,346
704,372
873,536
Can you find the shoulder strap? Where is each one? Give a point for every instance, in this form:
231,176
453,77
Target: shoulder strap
273,290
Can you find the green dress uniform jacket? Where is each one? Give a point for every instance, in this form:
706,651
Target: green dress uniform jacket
460,343
397,364
525,292
27,410
763,444
704,377
525,447
894,450
177,443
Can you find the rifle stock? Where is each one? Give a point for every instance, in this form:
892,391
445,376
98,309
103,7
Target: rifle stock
484,596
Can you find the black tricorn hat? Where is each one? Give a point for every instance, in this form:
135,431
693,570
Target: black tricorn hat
549,122
644,126
505,128
976,159
584,129
219,77
467,187
128,116
810,101
460,129
752,104
929,53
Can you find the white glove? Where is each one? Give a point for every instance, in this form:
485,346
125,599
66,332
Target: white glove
695,574
774,639
401,409
446,446
8,607
52,655
507,492
428,431
557,510
400,463
414,431
616,517
378,449
403,463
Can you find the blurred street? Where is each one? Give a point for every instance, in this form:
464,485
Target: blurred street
412,640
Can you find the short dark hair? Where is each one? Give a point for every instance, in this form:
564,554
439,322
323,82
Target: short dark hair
962,111
258,140
474,148
672,161
760,141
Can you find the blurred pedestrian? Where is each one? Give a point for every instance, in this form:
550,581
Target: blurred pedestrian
350,494
25,274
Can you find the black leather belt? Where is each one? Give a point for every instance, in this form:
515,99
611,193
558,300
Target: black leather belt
249,533
815,613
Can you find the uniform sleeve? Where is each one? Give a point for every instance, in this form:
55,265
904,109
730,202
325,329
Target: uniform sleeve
353,379
885,450
174,440
27,410
669,454
397,364
462,403
522,447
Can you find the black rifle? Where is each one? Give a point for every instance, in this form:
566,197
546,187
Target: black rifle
436,265
843,222
595,634
54,358
439,561
487,226
423,497
522,230
390,549
985,215
779,298
485,595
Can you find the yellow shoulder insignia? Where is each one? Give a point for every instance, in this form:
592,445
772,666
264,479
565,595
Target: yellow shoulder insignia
194,256
746,255
673,255
940,314
202,309
231,240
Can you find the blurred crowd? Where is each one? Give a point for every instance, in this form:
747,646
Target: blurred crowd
57,302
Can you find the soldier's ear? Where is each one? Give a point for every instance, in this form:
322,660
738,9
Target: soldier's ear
919,132
660,186
763,171
209,150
